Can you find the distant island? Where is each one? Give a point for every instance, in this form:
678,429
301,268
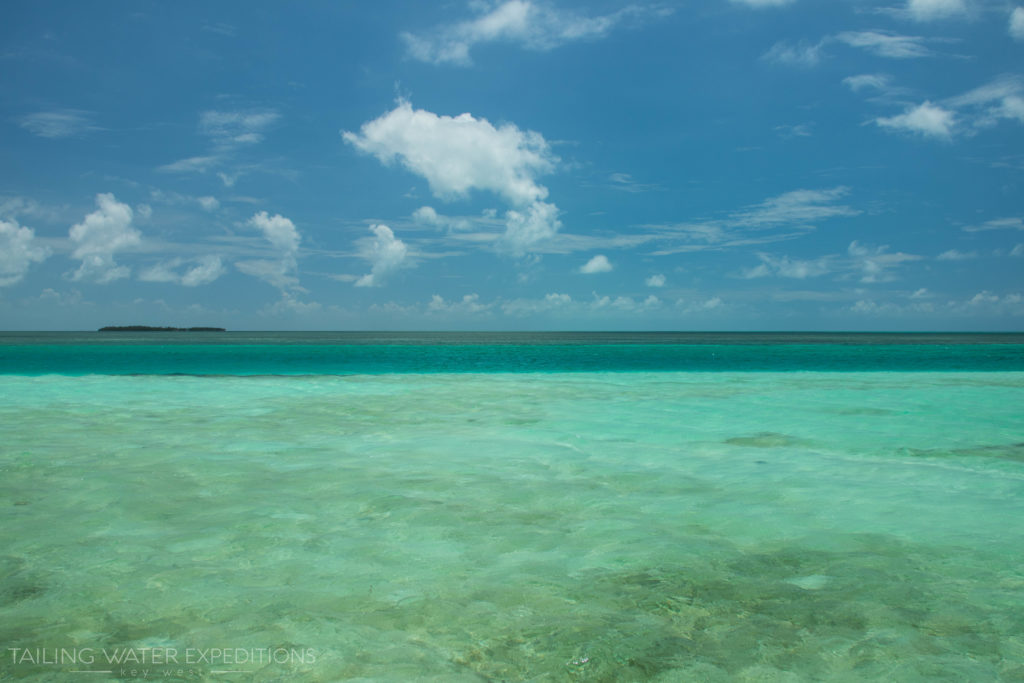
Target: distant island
147,328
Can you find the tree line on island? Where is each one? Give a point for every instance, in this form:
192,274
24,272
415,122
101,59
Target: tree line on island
147,328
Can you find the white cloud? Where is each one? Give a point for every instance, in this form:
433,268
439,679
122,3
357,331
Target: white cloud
1002,98
928,10
783,266
284,237
208,203
998,224
99,236
865,81
954,255
17,252
655,281
523,22
386,254
470,304
191,165
537,224
426,215
1018,250
522,307
802,54
1017,23
921,293
876,262
231,128
763,3
62,123
278,230
886,44
207,269
460,154
927,120
793,212
799,207
598,264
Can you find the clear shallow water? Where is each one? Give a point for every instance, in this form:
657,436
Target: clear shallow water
583,526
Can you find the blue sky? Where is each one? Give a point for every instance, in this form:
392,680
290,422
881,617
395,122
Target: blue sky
519,164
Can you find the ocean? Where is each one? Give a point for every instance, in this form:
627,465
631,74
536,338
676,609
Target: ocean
511,507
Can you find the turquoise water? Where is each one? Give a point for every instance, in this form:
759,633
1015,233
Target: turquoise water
459,525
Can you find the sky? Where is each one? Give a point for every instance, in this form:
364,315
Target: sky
513,165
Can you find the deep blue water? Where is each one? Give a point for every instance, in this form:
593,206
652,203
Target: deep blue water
343,353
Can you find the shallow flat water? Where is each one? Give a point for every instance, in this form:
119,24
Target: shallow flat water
585,526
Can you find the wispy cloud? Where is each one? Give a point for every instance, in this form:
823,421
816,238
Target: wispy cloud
876,263
1016,26
886,44
531,25
228,131
956,255
763,3
930,10
59,123
1001,99
1009,223
802,54
205,270
783,266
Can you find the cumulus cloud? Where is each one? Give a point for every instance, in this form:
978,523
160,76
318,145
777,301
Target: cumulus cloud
926,119
469,304
929,10
206,269
427,215
284,237
99,236
655,281
460,154
386,254
18,251
529,24
1017,23
886,44
598,264
524,229
523,307
208,203
61,123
